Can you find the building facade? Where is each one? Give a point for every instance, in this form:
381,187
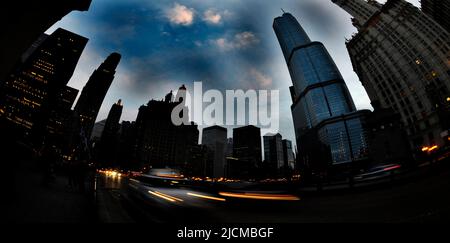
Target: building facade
273,152
247,145
94,92
288,155
401,57
323,111
159,142
24,21
215,139
439,10
38,87
107,147
61,114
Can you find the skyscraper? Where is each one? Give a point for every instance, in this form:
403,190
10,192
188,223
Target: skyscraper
215,139
439,10
323,110
23,22
108,145
62,111
401,57
273,151
113,120
35,87
94,92
159,142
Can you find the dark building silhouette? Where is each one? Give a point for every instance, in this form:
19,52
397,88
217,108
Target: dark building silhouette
160,143
24,21
215,139
97,130
94,92
229,149
401,57
288,155
247,154
112,124
273,152
199,162
126,152
387,137
37,87
323,111
61,115
439,10
107,147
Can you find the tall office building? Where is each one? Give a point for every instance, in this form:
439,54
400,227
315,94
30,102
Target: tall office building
38,86
24,21
61,113
288,154
401,57
273,151
94,92
215,139
112,123
159,142
107,147
329,131
439,10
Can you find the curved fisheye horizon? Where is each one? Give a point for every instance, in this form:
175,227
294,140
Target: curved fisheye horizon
225,120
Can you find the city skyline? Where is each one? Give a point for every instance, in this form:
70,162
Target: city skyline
249,112
209,32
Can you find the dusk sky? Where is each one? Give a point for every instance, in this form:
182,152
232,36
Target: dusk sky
227,44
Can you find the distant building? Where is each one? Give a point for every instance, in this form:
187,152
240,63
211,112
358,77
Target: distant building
246,150
160,143
401,57
199,163
330,132
37,87
229,150
273,152
108,145
112,124
24,21
288,155
215,139
439,10
126,152
94,92
98,130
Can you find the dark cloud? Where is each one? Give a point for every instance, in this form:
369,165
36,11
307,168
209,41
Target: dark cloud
159,54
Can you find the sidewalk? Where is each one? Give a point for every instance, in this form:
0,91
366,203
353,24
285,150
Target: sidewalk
32,202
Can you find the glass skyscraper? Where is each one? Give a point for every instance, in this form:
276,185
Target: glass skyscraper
322,109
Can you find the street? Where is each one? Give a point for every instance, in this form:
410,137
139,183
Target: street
423,200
